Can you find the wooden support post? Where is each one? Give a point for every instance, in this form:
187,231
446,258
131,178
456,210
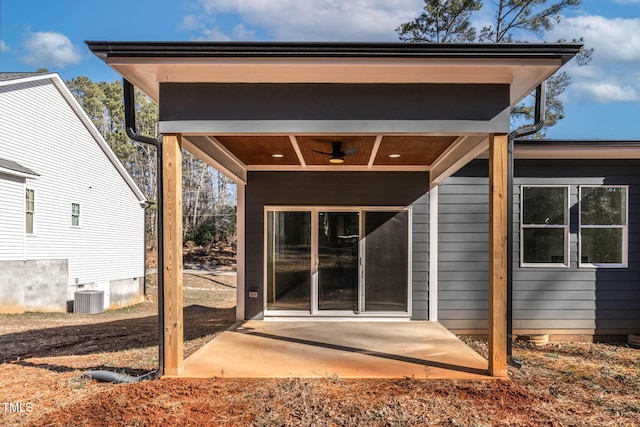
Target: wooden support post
172,271
498,174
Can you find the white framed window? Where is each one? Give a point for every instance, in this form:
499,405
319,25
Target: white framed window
30,211
604,219
75,214
544,226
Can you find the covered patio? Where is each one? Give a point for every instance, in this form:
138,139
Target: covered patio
265,349
406,117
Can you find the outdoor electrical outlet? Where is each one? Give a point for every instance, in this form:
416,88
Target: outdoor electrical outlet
253,293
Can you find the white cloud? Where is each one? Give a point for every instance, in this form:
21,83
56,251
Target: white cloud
318,20
607,92
240,32
207,29
213,33
615,39
4,47
44,49
612,75
191,23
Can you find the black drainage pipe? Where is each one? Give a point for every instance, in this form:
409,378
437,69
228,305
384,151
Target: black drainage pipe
541,93
113,377
132,133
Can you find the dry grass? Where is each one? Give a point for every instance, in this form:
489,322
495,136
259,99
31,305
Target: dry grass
43,355
560,384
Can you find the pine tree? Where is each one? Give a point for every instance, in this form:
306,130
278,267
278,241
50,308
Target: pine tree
442,21
449,21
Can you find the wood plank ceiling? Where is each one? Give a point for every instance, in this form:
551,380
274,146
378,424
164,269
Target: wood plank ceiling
283,150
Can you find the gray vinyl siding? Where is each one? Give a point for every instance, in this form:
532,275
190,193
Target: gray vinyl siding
463,233
420,262
601,302
353,189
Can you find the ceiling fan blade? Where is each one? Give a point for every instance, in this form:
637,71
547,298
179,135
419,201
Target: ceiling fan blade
350,151
322,152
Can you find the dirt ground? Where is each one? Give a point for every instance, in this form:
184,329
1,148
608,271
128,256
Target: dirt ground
220,256
43,356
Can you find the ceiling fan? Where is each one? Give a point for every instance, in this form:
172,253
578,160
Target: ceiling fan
337,154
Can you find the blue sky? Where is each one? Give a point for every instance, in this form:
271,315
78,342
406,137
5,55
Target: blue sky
602,103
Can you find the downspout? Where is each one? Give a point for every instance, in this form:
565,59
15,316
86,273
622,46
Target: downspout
541,93
147,205
132,133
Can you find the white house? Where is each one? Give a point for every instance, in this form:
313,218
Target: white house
71,216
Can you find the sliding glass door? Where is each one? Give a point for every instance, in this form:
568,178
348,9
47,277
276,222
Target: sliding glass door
288,267
333,261
386,261
338,258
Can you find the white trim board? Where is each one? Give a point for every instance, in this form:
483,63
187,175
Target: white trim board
433,254
338,168
17,174
240,251
499,124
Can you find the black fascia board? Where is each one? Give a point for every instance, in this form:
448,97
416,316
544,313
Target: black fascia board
563,51
577,143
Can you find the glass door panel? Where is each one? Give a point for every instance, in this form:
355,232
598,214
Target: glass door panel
288,260
338,242
386,261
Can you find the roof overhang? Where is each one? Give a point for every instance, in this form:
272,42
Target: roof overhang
147,64
220,96
17,173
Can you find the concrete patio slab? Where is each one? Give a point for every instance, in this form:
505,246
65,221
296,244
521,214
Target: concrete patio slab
270,349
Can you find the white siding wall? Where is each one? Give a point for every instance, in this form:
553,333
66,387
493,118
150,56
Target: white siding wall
40,131
11,217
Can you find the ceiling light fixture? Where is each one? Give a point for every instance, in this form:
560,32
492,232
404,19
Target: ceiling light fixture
337,153
394,156
277,155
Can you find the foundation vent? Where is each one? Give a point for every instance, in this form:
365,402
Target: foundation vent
88,302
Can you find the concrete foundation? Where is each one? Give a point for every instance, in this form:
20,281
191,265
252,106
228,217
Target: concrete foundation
36,285
125,292
43,285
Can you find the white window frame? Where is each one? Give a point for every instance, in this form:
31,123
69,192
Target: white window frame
566,228
34,212
72,215
625,230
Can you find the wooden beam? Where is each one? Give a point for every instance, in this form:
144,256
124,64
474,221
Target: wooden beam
213,153
498,173
296,147
172,271
374,152
460,153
